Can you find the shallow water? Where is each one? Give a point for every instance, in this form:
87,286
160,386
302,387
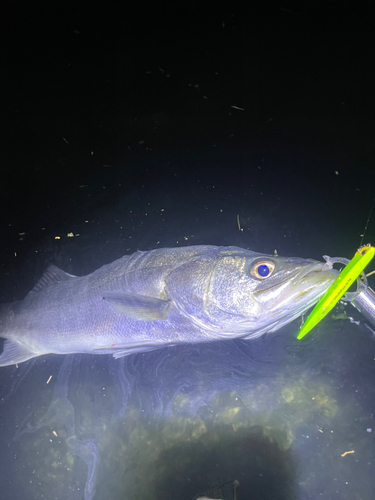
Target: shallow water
287,419
276,415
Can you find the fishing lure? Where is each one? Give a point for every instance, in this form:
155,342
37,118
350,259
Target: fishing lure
342,283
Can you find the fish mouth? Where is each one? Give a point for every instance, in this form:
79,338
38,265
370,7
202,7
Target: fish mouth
309,287
298,290
308,277
319,275
294,295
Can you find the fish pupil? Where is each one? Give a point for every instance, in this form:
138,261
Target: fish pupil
263,270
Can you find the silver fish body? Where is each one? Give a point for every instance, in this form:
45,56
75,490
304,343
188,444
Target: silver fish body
160,298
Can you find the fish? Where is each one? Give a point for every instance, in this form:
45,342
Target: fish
161,298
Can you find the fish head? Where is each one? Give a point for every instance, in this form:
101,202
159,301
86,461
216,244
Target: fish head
235,292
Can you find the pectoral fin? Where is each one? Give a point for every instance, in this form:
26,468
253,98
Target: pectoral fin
139,307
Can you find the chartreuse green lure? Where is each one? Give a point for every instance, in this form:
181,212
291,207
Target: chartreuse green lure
342,283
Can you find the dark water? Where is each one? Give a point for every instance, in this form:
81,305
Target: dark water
137,127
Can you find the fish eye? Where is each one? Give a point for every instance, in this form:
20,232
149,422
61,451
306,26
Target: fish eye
262,269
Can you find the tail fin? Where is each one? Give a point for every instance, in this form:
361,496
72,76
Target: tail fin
13,351
6,315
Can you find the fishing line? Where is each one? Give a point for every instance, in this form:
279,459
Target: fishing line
364,232
352,272
368,220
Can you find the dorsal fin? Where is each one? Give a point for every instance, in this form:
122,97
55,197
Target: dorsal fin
52,276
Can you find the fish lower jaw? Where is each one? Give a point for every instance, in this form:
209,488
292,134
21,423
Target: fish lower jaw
291,315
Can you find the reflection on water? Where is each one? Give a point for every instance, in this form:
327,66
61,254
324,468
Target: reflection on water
286,419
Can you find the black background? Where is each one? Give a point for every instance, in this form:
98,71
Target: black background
113,96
